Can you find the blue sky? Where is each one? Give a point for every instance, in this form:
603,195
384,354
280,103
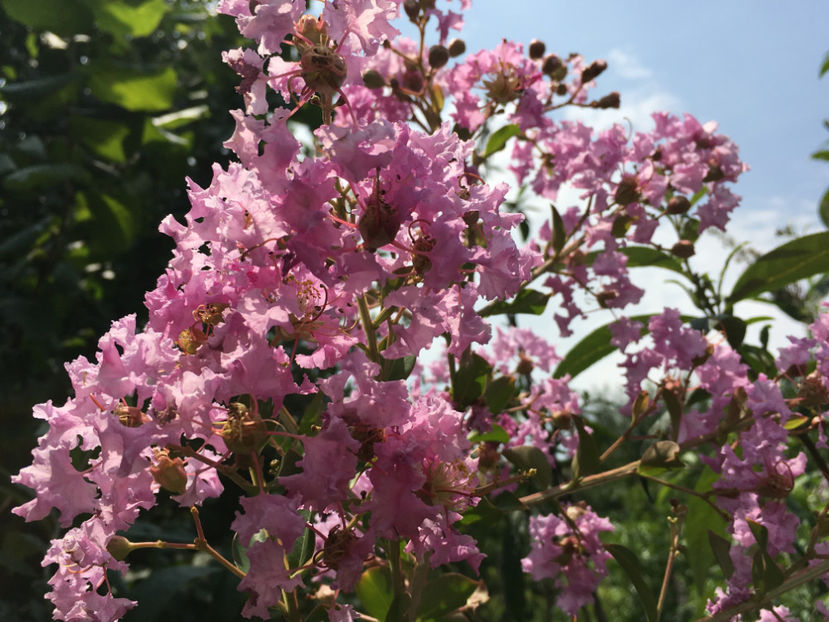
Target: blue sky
750,65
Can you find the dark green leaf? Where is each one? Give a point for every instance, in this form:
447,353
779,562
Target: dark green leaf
498,394
444,594
396,369
630,564
496,435
765,573
36,89
103,137
733,327
823,208
113,218
62,17
134,90
823,154
591,349
720,547
674,407
824,66
162,586
690,230
499,139
586,460
470,380
527,457
526,301
700,519
642,256
43,176
795,260
559,234
375,591
399,608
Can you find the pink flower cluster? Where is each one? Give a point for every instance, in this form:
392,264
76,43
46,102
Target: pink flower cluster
317,274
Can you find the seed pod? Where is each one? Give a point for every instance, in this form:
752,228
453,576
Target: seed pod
593,71
678,205
379,224
119,547
438,56
456,47
683,249
551,64
537,49
561,90
373,80
627,192
611,100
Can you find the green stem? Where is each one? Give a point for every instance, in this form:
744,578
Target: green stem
368,327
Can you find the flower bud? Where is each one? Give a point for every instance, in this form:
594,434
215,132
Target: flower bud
593,71
456,47
488,455
412,9
537,49
551,64
611,100
627,191
678,205
683,249
373,80
130,416
605,297
438,56
379,224
119,547
525,366
561,90
169,473
812,391
715,173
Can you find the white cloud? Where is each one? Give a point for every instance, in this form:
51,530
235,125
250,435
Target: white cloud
626,65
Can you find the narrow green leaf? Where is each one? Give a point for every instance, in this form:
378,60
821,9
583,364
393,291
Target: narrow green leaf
527,457
374,589
824,67
35,89
498,394
644,256
795,260
396,369
134,90
823,154
720,547
43,176
526,301
586,460
445,594
559,234
628,561
795,421
499,139
591,349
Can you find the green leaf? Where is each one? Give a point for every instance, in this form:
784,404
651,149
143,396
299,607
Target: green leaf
396,369
586,460
765,573
795,421
470,380
43,176
179,118
823,154
720,547
104,138
527,457
374,589
700,519
35,89
499,139
399,608
59,16
660,456
795,260
594,347
498,394
628,561
526,301
733,327
133,89
496,435
163,586
444,594
644,256
823,208
124,19
559,234
239,550
114,221
824,67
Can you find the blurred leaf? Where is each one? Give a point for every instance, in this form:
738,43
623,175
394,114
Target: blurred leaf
823,208
823,154
444,594
470,380
559,234
496,435
824,67
43,176
765,573
375,592
644,256
104,138
591,349
721,547
159,588
498,393
36,88
630,564
134,89
733,327
795,260
499,138
659,457
7,165
527,457
586,459
113,218
182,117
59,16
128,19
396,369
526,301
701,519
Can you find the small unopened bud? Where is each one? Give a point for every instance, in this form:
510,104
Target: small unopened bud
488,455
119,547
412,9
678,205
537,49
593,71
562,419
525,366
561,90
551,64
812,391
456,47
683,249
715,173
604,298
438,56
627,191
169,473
611,100
373,80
